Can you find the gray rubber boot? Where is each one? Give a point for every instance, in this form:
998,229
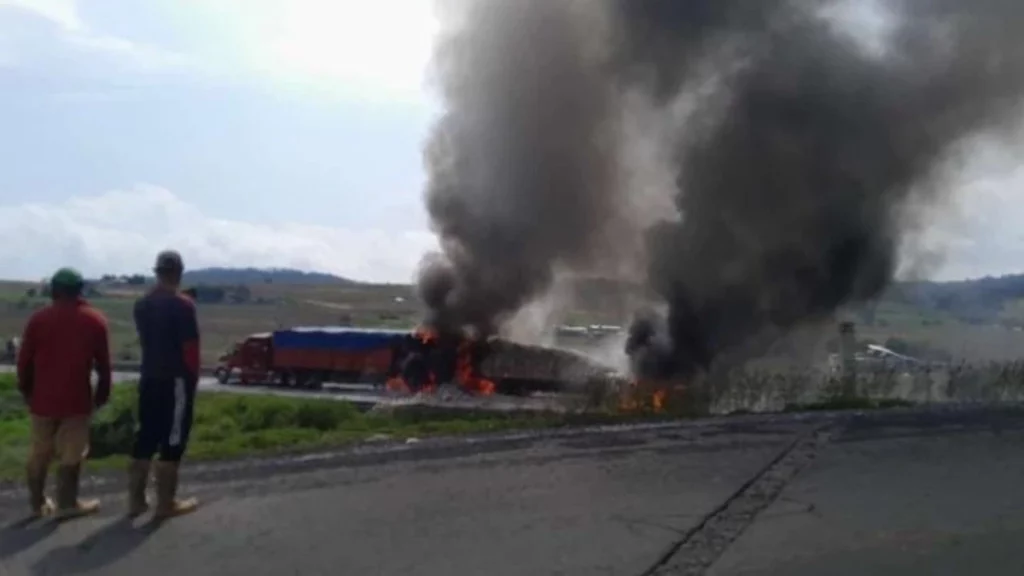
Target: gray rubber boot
138,479
168,505
39,504
68,504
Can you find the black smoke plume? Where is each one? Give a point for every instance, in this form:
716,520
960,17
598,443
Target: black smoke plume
522,165
796,177
799,167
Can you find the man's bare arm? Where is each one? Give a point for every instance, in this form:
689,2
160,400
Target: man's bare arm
189,333
101,362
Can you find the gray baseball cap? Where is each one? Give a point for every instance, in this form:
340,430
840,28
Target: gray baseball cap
169,261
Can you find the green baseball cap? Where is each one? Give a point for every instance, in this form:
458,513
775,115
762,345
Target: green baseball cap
67,278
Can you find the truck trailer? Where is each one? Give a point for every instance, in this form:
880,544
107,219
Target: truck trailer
309,357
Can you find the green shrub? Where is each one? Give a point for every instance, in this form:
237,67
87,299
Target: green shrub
324,416
12,406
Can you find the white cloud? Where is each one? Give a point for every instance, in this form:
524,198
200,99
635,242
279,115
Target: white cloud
72,46
979,232
64,13
130,55
341,49
385,43
121,231
351,48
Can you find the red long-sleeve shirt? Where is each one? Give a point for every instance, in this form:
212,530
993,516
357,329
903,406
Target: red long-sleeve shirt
61,345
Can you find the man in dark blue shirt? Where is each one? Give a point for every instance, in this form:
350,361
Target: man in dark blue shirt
169,337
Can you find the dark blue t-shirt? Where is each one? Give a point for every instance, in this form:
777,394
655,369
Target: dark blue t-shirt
166,323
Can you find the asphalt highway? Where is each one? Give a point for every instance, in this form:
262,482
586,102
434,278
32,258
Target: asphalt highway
359,393
906,492
367,396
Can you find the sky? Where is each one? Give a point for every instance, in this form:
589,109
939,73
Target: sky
279,133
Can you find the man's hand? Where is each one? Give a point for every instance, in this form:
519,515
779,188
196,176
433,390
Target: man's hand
101,397
101,363
26,390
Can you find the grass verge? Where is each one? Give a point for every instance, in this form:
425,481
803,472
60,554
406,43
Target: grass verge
858,403
231,426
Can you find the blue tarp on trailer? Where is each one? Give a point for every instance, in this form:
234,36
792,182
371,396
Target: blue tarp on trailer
336,338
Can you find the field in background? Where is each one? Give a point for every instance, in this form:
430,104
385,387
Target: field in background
269,306
270,303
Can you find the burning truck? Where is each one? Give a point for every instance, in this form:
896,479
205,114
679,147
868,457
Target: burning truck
403,361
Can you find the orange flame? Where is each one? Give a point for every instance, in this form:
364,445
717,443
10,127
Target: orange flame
639,397
426,335
465,373
658,400
628,402
397,385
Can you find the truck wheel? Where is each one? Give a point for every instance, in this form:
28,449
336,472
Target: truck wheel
300,380
514,388
222,375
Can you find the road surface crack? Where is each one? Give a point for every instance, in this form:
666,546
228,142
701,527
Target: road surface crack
703,544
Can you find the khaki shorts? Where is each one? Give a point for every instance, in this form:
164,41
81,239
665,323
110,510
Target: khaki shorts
67,439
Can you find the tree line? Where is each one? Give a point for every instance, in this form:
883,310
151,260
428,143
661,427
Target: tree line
205,294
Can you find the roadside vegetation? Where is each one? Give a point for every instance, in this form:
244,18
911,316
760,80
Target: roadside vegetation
229,426
798,389
938,323
238,425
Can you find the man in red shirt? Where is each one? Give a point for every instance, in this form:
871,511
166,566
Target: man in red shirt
61,346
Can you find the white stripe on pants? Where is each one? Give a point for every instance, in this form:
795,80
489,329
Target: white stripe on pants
179,412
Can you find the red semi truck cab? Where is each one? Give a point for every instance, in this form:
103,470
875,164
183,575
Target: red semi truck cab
251,359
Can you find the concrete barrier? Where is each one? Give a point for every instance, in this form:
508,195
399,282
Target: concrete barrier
134,367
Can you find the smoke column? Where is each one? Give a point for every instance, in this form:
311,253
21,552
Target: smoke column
796,178
799,167
523,171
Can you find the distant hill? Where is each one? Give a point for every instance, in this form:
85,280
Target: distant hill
989,300
978,301
263,276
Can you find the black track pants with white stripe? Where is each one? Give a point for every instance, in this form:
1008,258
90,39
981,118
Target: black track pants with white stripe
165,419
